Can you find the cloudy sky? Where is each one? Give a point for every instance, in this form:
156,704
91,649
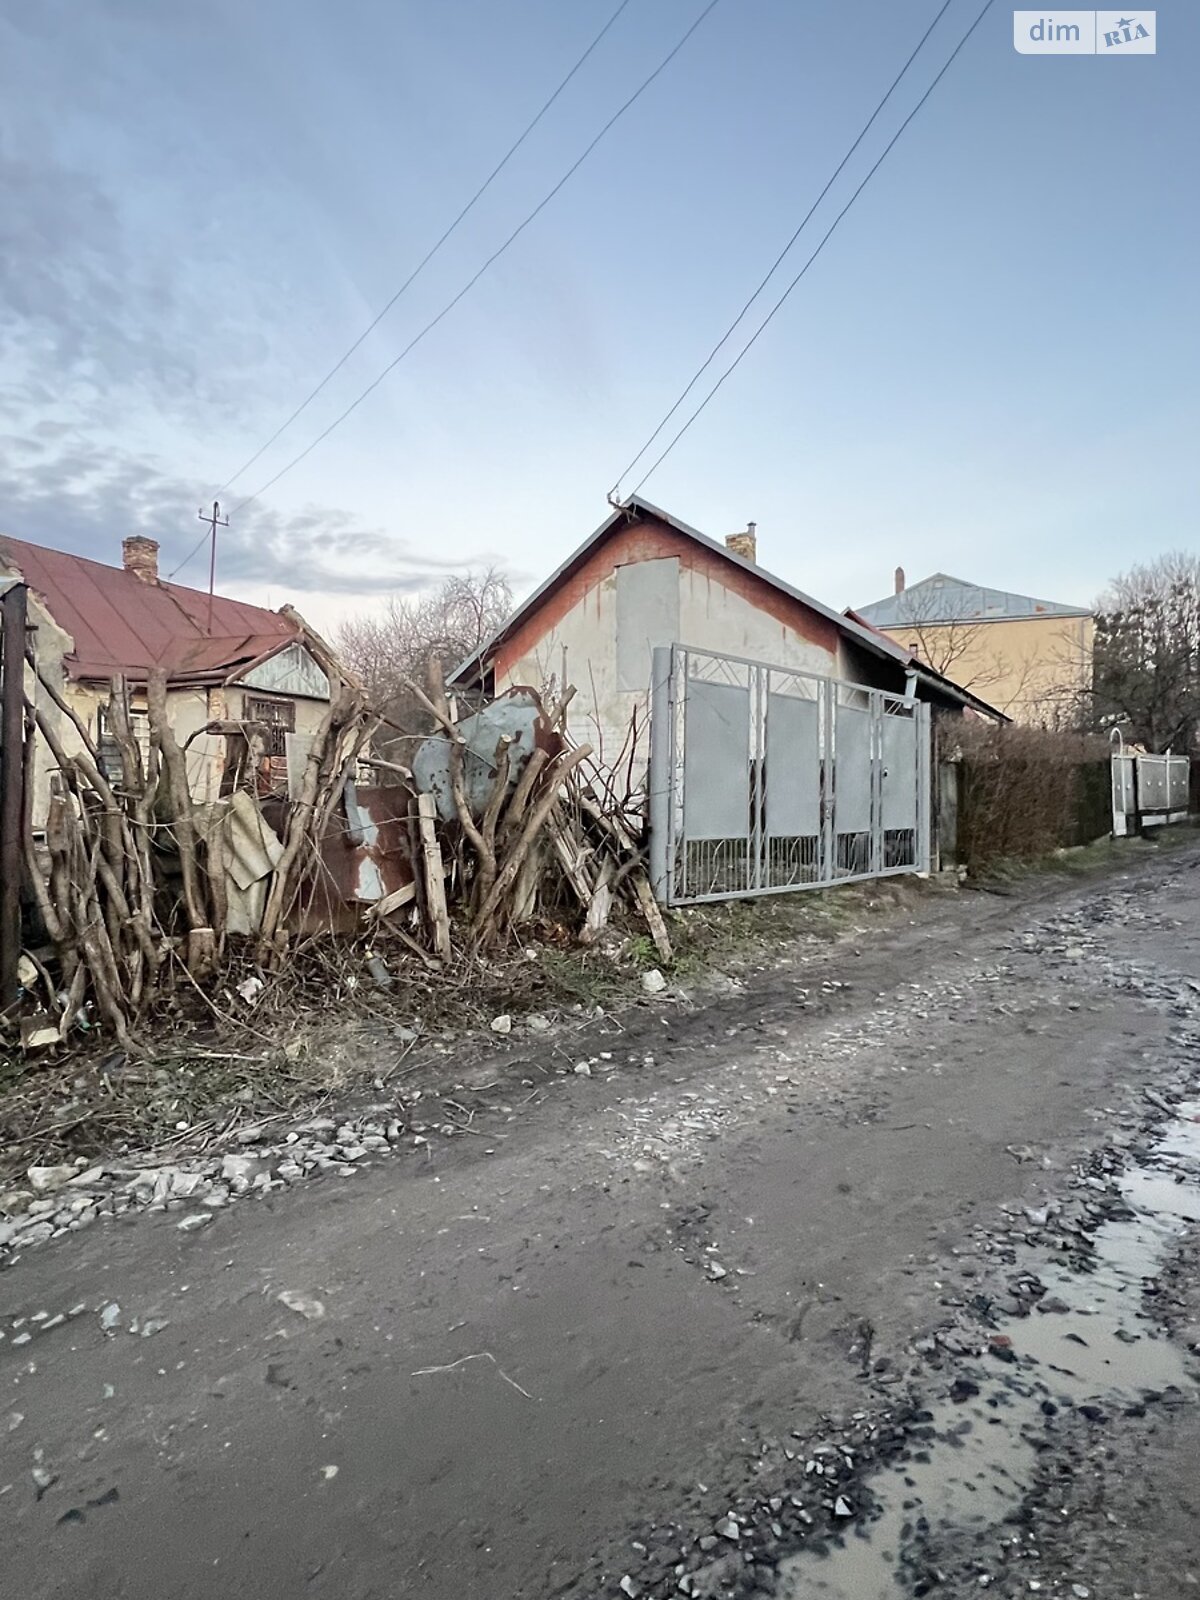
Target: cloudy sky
990,370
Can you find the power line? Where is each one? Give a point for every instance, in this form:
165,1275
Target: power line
191,555
429,254
774,267
495,256
824,241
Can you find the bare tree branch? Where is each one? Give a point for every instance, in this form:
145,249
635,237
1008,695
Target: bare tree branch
1148,653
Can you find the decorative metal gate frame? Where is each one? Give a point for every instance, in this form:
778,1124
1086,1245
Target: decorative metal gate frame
764,780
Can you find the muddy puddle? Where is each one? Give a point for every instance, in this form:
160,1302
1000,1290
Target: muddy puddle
1102,1350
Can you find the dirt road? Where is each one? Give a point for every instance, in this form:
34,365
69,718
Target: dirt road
829,1282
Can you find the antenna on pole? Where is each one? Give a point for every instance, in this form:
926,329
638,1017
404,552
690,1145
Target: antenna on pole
215,521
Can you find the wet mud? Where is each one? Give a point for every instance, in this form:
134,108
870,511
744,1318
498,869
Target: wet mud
1092,1345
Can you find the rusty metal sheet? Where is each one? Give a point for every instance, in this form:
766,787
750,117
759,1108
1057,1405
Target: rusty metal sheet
364,857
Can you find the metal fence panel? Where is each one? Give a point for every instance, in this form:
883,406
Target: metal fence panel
716,761
793,767
1178,783
901,772
1122,794
1123,782
853,731
1148,790
1152,783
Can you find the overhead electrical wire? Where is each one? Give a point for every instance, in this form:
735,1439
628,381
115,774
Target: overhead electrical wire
494,257
775,265
191,555
792,285
428,256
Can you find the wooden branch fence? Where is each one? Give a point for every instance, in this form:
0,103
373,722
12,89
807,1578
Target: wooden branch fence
132,885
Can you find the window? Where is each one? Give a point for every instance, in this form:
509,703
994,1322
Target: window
279,716
110,750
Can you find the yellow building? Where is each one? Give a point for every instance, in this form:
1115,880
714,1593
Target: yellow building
1030,658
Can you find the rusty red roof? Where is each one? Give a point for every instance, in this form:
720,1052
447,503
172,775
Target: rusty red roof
120,623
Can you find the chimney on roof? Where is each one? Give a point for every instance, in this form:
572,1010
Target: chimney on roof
744,544
140,556
899,580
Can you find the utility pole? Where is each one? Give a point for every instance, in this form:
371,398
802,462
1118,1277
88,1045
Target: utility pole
13,610
215,521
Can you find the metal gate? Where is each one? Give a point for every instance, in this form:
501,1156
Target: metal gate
1147,790
763,779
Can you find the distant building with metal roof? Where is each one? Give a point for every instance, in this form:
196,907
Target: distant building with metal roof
941,598
128,620
1030,657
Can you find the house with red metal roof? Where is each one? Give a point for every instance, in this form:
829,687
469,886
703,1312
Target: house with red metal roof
225,661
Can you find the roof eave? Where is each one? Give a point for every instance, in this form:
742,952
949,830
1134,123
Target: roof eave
954,691
241,668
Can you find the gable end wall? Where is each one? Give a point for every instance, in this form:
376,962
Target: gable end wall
572,635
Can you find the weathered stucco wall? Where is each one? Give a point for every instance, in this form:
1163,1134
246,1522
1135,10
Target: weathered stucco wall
50,645
189,710
309,713
1034,668
606,618
193,708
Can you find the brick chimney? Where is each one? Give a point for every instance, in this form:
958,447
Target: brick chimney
744,544
140,556
899,580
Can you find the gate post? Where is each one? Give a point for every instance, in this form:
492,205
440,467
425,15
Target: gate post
661,778
924,715
827,700
875,715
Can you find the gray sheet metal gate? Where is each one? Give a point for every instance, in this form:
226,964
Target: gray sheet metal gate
1148,790
764,780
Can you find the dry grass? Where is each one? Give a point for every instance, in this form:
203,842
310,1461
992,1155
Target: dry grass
327,1027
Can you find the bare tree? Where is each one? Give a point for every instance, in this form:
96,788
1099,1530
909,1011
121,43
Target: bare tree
961,648
1147,674
948,643
1063,695
394,645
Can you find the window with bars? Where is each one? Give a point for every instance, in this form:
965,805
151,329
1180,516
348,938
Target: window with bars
110,750
279,718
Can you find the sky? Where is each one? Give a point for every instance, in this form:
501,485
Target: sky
990,370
